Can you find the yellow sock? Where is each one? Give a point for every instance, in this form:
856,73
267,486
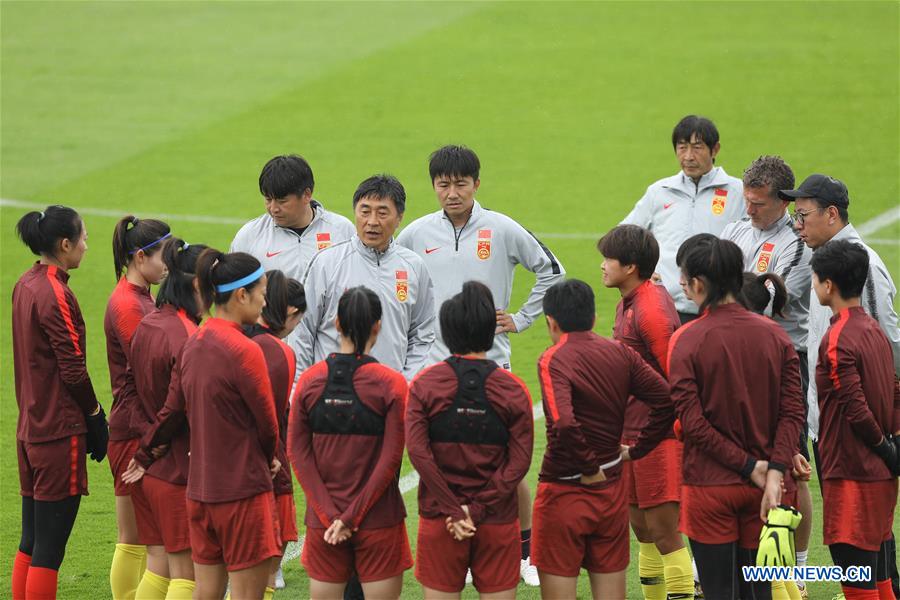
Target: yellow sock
152,587
785,590
125,571
180,589
269,594
650,569
679,574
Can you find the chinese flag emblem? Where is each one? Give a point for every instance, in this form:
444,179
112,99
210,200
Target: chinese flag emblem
762,265
483,251
718,202
323,240
402,286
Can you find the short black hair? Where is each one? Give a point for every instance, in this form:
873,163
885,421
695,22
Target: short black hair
846,264
770,172
285,175
631,245
571,304
453,160
382,186
701,126
469,319
718,263
686,245
843,213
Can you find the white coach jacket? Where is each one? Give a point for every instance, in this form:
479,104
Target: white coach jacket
674,209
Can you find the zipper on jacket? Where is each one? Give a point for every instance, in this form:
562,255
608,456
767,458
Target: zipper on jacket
457,234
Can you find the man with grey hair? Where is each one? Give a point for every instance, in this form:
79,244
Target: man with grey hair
769,243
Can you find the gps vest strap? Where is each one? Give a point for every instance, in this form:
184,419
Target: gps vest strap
470,419
339,409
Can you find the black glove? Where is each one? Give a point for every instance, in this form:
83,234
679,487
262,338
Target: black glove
889,451
97,435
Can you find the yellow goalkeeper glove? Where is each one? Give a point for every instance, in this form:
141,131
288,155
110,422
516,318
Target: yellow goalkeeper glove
776,541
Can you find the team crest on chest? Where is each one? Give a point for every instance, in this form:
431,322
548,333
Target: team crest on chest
762,265
483,251
718,202
402,286
323,240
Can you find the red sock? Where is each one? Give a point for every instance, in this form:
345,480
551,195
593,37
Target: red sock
41,584
884,590
20,574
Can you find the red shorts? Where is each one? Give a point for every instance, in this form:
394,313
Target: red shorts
287,517
240,534
119,453
859,513
162,518
493,554
656,478
721,514
575,527
375,554
54,470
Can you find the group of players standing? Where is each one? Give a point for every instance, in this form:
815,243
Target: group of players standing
335,346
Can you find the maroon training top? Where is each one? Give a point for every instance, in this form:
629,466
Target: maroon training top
281,362
126,307
859,397
646,318
53,387
735,380
223,386
481,476
350,477
586,381
155,348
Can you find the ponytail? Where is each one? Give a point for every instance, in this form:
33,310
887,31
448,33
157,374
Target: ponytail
282,293
469,319
718,263
755,295
42,230
132,235
216,270
358,310
177,288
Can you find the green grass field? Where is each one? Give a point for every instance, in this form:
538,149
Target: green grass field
172,108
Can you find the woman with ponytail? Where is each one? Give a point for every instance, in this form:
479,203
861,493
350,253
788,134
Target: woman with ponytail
469,429
735,384
758,291
221,375
285,305
162,520
345,442
60,420
136,247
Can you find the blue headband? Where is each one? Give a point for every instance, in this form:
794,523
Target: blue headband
227,287
151,244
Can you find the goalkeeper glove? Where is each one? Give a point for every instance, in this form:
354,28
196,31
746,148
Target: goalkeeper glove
97,435
776,541
889,451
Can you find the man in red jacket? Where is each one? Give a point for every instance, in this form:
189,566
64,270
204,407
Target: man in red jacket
859,404
581,510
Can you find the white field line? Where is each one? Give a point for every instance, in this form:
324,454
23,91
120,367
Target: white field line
869,227
408,483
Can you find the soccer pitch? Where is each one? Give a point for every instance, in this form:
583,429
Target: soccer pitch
172,109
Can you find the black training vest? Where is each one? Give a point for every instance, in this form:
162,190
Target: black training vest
470,419
339,409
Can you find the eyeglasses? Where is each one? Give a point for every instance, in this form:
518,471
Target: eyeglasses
800,217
